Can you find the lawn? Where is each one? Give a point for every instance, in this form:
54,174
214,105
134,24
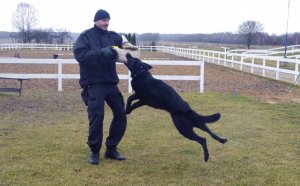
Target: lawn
43,142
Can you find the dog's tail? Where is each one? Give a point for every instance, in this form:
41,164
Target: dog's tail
205,119
211,118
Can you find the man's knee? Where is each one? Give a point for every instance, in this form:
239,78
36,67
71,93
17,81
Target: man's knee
96,108
95,117
120,116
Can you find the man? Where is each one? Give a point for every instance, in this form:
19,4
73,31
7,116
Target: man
98,78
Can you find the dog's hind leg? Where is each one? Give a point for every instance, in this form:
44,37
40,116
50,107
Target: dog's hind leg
203,119
193,136
203,127
186,130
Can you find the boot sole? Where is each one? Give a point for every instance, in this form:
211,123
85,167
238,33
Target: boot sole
93,163
109,157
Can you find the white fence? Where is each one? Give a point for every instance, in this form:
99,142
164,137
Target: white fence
34,46
290,50
257,62
60,76
278,68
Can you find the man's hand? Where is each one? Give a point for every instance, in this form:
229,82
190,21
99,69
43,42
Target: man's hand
109,53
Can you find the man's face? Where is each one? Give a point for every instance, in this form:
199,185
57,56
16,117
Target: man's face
102,24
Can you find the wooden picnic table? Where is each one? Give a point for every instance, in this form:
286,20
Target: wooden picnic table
18,89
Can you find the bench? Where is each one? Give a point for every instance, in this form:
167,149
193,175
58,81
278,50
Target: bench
13,89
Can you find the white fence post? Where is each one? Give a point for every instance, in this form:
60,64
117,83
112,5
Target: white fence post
241,65
297,73
264,68
252,66
129,82
225,59
277,69
202,76
59,75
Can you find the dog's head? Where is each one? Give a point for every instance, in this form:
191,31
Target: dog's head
135,65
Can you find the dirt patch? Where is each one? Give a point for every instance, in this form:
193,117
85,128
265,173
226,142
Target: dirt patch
222,79
217,78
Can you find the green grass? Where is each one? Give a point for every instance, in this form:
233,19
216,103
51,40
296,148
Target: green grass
43,142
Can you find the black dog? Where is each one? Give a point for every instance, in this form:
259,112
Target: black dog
155,93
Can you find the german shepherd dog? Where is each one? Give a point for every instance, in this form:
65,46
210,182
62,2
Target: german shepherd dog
157,94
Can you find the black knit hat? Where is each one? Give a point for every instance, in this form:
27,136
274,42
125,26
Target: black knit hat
101,14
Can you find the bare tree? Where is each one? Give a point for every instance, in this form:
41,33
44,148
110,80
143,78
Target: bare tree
250,29
24,19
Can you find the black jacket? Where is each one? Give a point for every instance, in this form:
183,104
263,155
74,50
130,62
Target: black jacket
87,51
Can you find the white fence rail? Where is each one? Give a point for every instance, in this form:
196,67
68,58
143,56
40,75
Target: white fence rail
60,76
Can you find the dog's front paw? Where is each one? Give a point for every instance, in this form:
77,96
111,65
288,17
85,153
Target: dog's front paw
206,157
223,140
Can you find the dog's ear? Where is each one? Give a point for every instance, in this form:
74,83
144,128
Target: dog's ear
148,66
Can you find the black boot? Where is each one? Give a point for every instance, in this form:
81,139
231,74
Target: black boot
94,158
111,152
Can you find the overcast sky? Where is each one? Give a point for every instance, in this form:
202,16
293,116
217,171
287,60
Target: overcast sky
160,16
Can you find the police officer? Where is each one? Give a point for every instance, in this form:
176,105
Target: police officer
98,77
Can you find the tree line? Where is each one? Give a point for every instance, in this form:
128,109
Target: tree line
224,37
59,36
249,32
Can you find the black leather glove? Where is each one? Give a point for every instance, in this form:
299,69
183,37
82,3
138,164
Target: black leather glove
109,53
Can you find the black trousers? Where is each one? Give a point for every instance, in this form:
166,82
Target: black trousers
95,96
